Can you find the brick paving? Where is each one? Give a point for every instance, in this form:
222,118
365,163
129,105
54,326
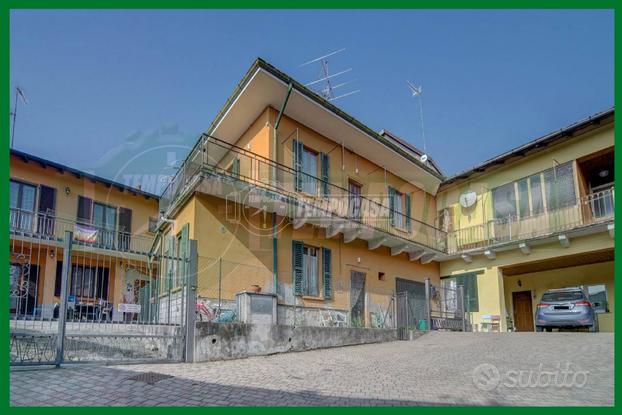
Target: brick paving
436,369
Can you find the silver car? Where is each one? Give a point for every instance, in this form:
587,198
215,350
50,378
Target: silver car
565,308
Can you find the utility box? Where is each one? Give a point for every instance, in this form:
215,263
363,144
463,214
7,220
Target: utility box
256,307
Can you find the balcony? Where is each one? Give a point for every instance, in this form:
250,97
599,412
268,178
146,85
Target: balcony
40,227
587,211
237,175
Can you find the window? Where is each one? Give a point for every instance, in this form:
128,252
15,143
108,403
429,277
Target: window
598,297
354,200
21,205
537,206
153,223
399,209
85,281
309,170
559,186
525,197
310,278
504,201
105,219
469,282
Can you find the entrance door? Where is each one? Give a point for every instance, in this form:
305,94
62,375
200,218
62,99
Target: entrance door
357,298
523,311
411,303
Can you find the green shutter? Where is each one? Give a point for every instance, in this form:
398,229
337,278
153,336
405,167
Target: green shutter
168,253
183,253
297,149
392,205
325,162
408,223
297,266
326,263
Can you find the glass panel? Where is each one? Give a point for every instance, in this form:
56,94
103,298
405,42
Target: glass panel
310,266
98,215
14,195
504,201
309,168
354,200
523,198
598,297
111,217
559,186
537,206
28,198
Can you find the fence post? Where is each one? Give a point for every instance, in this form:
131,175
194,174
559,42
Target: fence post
427,304
191,300
64,296
462,307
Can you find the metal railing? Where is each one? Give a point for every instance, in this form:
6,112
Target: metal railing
319,197
590,209
48,226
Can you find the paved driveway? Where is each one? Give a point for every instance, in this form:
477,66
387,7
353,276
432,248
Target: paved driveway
436,369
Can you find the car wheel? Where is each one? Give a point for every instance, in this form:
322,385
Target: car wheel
593,328
539,329
549,329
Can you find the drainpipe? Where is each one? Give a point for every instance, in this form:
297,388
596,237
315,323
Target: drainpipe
275,243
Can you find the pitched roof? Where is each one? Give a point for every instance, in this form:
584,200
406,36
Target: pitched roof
79,173
535,146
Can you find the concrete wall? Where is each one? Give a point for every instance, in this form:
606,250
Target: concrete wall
236,340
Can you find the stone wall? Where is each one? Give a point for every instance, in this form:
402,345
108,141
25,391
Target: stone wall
218,341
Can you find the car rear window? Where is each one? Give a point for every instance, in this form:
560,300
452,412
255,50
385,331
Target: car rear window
563,296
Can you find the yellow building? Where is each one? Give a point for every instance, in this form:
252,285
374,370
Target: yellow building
112,227
538,217
286,193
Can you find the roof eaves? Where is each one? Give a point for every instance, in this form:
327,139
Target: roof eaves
26,157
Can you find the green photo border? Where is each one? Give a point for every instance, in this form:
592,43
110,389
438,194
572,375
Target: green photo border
301,4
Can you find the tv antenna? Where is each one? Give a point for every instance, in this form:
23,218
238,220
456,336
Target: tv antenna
416,92
325,78
19,92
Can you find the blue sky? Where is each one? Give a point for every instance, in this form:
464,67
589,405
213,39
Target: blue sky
104,85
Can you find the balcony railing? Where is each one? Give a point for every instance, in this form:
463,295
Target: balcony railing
587,210
306,196
43,226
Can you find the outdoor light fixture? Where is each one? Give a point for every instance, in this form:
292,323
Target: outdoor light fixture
52,254
67,190
520,283
603,173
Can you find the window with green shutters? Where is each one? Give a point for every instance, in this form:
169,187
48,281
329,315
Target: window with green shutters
305,272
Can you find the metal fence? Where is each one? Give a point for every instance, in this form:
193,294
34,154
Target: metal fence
304,195
587,210
424,306
72,301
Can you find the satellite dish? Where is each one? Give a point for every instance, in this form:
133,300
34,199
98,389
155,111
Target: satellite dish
424,158
468,199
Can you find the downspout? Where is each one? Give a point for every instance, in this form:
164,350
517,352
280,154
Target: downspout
275,244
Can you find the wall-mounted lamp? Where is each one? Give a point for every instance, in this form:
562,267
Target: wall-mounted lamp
603,173
520,283
52,254
67,190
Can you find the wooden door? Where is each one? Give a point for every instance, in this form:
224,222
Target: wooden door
523,311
